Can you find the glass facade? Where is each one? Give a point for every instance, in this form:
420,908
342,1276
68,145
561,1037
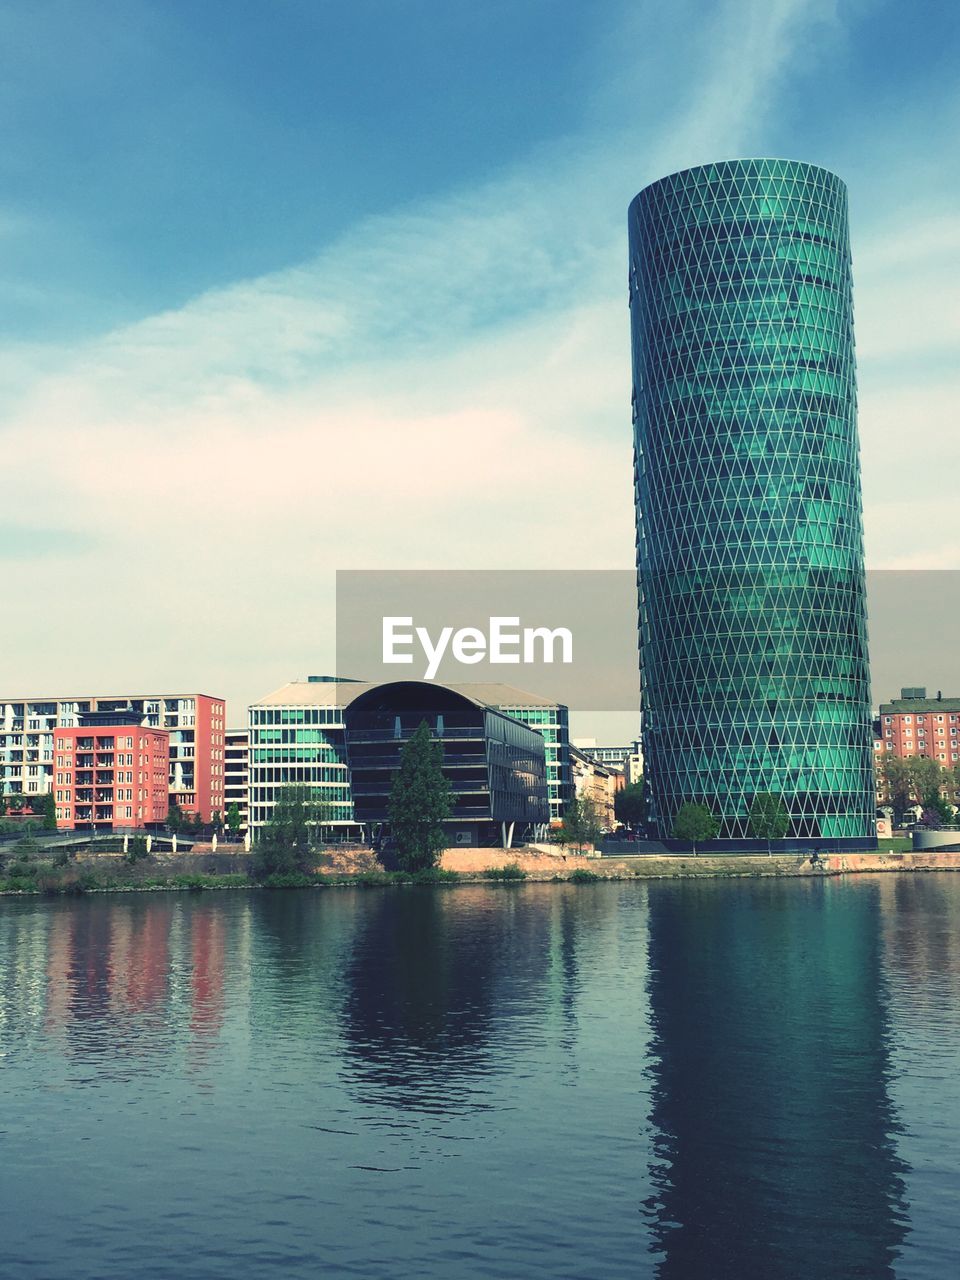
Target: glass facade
553,724
752,615
298,746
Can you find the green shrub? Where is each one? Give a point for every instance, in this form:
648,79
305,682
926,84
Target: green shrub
582,876
21,884
287,880
512,871
432,875
137,849
374,879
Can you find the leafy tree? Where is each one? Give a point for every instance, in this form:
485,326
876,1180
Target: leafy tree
769,819
926,779
176,818
285,846
938,811
932,818
628,804
419,801
234,821
695,824
897,781
45,807
581,823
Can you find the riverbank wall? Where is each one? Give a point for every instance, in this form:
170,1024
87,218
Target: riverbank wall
105,873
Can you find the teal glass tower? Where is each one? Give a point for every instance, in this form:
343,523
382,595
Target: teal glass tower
752,614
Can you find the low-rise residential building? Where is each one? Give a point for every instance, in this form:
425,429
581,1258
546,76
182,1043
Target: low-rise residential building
110,772
914,726
628,759
195,723
598,783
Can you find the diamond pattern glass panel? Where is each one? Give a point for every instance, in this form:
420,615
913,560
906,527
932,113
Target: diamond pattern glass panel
752,613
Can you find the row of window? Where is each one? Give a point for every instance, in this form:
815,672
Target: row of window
297,715
909,745
921,719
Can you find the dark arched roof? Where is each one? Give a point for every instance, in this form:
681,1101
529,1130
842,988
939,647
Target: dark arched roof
379,706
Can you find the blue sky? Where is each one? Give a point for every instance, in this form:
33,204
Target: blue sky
274,272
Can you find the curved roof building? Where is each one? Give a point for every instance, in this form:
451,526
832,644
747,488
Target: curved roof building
495,764
753,641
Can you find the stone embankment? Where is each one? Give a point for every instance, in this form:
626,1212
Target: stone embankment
546,866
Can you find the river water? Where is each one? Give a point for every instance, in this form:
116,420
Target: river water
691,1081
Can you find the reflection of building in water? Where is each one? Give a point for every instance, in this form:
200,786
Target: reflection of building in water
921,941
24,945
140,955
770,1084
115,962
431,981
206,953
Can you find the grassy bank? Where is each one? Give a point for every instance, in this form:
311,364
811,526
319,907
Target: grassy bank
117,875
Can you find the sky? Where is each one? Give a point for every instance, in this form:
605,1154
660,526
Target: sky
291,286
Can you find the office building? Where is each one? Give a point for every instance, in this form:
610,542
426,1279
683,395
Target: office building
297,738
494,764
753,643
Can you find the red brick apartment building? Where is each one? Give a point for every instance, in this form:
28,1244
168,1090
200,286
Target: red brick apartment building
110,772
914,725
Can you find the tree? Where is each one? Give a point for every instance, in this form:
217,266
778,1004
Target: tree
628,804
285,846
897,781
176,818
234,821
581,823
695,824
45,807
926,779
932,819
769,819
419,801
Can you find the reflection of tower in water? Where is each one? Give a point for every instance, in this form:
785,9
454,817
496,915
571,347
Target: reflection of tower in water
775,1153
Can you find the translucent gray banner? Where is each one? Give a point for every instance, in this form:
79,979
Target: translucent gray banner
570,636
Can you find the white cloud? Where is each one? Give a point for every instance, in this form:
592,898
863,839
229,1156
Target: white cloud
447,386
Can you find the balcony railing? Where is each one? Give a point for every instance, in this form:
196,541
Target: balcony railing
457,789
475,761
450,733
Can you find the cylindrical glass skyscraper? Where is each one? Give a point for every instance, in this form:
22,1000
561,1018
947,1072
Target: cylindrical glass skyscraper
753,643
